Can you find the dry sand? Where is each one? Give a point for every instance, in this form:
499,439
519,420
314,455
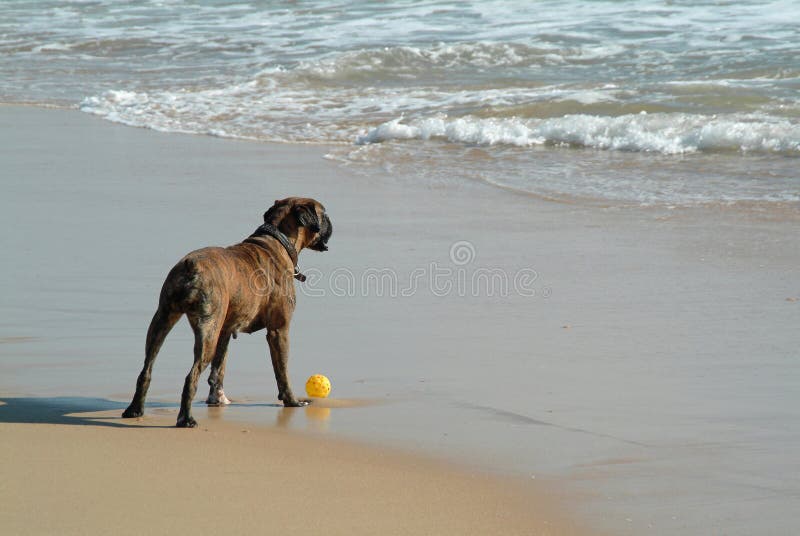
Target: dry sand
99,476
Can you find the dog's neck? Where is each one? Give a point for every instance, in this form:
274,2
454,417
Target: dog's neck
292,244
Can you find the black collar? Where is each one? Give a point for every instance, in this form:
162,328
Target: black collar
270,230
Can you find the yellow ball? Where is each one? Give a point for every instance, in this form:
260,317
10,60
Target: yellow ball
318,386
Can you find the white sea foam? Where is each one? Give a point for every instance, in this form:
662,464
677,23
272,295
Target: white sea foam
441,76
658,133
262,109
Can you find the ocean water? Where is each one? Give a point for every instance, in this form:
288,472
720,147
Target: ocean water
613,102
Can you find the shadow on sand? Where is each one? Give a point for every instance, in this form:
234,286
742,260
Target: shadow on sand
87,411
68,410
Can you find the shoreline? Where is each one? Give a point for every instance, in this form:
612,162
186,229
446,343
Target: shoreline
363,488
735,209
632,377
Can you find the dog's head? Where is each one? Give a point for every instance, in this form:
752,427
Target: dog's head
302,217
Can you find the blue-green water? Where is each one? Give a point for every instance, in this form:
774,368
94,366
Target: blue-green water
644,102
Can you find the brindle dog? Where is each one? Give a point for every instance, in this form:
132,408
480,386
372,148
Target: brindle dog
245,287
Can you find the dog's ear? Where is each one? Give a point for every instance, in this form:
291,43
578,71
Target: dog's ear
307,217
275,214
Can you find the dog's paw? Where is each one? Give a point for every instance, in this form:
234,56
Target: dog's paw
217,399
186,422
132,412
294,403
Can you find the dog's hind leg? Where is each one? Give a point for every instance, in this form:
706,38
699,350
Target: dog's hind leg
160,326
216,396
206,334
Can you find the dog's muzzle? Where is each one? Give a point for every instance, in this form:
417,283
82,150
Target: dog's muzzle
325,232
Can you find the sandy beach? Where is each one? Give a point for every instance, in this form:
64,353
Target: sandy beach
93,475
638,375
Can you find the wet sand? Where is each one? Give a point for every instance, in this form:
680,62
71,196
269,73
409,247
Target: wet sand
652,372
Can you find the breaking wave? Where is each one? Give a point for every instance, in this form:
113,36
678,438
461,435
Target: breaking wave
659,133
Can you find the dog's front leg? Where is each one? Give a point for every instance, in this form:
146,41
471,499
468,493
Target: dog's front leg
278,340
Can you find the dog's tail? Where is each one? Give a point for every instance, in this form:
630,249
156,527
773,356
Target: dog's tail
183,290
